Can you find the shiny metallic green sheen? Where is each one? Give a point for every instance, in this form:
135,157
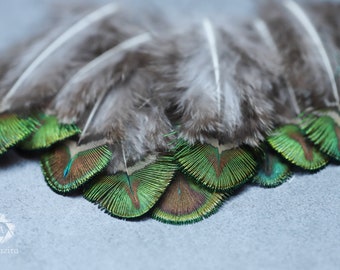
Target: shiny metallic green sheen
273,171
50,132
131,196
324,132
215,170
185,202
290,142
14,129
65,173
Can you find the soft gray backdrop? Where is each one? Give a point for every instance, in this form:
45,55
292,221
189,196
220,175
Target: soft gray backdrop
295,226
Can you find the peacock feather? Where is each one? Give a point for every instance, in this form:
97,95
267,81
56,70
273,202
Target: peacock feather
153,115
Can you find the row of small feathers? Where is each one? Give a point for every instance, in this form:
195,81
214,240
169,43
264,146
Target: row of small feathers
134,80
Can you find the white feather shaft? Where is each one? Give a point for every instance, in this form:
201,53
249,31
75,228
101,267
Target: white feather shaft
210,34
265,34
92,114
297,11
78,27
125,163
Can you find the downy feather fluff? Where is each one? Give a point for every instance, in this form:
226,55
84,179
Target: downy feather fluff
213,77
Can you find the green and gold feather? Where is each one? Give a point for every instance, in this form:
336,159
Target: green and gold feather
273,170
322,128
215,168
291,143
185,201
14,129
130,195
67,167
49,133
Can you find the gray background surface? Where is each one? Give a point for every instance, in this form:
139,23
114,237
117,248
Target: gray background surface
295,226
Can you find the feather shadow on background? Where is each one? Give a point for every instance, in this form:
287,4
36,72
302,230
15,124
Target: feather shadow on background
166,116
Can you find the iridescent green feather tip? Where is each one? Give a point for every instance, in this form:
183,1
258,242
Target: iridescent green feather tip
14,129
133,195
290,142
324,131
50,132
185,201
273,171
68,167
215,168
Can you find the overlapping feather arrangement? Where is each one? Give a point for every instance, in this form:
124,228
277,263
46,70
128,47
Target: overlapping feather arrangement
147,118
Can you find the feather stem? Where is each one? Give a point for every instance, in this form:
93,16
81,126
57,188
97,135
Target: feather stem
92,114
263,30
124,159
209,31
